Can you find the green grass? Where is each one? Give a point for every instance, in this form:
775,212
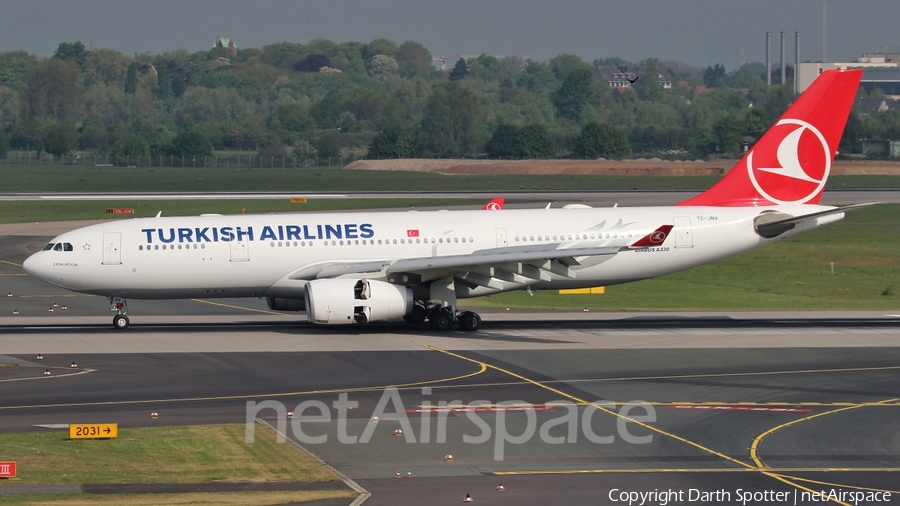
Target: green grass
23,211
191,454
69,179
793,274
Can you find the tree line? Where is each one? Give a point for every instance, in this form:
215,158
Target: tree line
382,100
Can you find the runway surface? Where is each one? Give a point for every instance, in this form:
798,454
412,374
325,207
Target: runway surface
759,403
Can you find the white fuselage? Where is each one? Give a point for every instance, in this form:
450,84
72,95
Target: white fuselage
266,255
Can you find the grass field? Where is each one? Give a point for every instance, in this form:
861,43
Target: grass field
69,179
22,211
793,274
191,454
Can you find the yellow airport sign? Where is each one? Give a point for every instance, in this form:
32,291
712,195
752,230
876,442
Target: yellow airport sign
93,431
298,200
584,291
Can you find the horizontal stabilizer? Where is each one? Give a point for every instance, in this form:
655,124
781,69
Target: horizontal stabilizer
770,229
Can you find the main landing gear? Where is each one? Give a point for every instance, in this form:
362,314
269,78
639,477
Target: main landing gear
443,318
120,306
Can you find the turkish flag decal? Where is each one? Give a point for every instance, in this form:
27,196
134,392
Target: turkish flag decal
412,233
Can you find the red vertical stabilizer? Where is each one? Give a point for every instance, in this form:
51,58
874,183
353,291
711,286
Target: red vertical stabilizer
791,162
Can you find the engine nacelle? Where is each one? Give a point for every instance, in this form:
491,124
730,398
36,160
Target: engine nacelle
279,304
347,301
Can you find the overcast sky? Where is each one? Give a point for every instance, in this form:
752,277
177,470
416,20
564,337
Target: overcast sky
700,32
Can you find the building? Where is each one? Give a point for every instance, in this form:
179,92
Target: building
624,76
226,43
881,72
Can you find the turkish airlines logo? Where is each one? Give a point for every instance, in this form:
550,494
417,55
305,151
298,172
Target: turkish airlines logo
658,237
797,170
492,206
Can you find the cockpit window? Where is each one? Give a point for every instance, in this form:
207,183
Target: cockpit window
67,246
58,247
48,247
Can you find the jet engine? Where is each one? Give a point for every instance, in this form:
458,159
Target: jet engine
279,304
348,301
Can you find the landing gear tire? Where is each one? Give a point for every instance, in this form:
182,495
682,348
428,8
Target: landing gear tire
120,322
441,320
417,315
469,321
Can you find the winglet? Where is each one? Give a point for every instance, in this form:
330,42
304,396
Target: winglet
653,239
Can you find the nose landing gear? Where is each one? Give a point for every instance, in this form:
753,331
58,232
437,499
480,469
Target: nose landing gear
120,306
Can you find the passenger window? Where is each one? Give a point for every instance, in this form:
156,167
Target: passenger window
141,247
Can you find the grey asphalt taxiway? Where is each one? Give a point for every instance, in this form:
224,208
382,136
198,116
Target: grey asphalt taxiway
726,404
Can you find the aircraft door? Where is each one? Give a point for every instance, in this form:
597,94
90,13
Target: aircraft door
112,248
240,250
683,236
501,238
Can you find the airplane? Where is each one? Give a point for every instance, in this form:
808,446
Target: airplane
496,204
357,268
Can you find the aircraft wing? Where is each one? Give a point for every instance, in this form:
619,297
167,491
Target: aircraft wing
490,267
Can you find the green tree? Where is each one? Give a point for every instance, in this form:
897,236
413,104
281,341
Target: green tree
536,77
73,52
531,141
601,140
131,80
54,91
378,46
328,144
132,146
562,64
452,122
4,145
535,141
714,77
107,66
504,143
381,66
613,61
163,85
648,86
485,67
413,59
59,139
394,141
460,70
727,132
574,93
14,67
191,144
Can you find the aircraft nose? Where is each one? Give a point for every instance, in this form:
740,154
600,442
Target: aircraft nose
32,265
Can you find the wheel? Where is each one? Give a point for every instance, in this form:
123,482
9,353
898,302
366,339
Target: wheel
120,321
417,315
469,321
440,320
